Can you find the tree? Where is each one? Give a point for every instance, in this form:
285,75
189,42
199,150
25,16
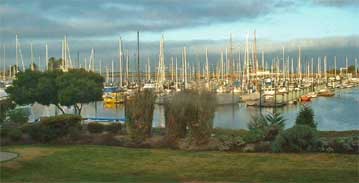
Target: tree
72,88
306,117
77,87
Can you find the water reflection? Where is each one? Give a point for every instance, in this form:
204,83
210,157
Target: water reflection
334,113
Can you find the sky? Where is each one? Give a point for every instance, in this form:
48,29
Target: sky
321,25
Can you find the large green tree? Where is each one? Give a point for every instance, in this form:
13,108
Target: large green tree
78,87
73,88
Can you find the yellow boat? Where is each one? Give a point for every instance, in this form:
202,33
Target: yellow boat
112,95
114,98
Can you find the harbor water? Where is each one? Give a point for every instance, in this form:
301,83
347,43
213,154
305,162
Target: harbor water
338,113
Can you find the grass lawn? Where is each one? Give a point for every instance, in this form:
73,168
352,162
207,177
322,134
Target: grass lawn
117,164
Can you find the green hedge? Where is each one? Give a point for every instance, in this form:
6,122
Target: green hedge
52,128
113,127
95,127
300,138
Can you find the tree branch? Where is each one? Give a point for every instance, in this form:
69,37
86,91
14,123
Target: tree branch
59,107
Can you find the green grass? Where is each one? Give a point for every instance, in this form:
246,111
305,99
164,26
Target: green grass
117,164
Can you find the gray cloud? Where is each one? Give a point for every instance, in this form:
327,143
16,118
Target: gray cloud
83,18
337,3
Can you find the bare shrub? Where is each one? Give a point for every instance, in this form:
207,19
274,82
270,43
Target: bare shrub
139,115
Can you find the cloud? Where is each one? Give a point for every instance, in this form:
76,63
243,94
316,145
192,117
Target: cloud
337,3
83,18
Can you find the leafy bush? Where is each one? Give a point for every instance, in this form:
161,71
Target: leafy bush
5,106
139,115
11,127
306,117
345,144
52,128
18,116
265,128
113,127
95,127
15,134
296,139
230,142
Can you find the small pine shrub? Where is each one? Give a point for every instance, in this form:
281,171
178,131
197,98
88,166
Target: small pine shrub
95,127
300,138
113,127
306,117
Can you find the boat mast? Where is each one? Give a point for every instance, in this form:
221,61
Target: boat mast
46,57
312,65
112,72
227,65
185,67
239,65
231,62
283,64
107,75
17,50
120,58
172,73
4,60
346,66
325,68
255,54
222,66
335,66
318,69
127,65
356,67
100,67
292,68
207,69
148,69
299,64
176,75
32,58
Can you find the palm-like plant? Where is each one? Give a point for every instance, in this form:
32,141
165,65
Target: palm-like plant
276,123
265,127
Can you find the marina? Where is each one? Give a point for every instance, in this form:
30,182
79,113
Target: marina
179,91
334,113
244,86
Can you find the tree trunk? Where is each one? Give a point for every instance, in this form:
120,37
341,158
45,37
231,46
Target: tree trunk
59,107
78,109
